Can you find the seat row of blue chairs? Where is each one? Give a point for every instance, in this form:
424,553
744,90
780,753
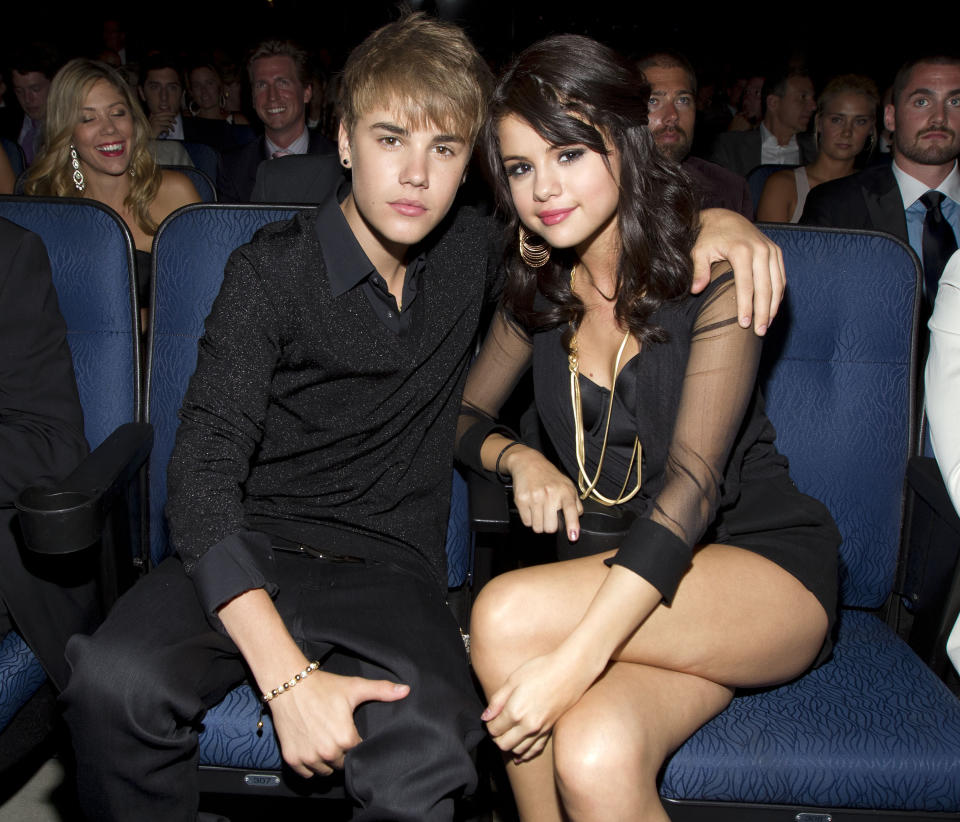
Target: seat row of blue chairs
871,730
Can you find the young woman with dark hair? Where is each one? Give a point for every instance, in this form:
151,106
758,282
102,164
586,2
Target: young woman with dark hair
720,573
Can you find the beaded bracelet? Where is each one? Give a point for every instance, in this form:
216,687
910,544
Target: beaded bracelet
286,686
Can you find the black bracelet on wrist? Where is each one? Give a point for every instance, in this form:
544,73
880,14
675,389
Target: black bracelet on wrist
500,476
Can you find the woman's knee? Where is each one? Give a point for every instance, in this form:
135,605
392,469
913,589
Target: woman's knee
592,749
498,628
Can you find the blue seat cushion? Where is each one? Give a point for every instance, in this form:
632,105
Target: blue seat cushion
229,737
872,728
20,676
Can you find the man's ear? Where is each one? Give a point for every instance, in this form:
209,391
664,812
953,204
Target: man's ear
773,102
890,117
343,145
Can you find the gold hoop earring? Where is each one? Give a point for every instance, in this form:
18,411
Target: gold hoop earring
532,253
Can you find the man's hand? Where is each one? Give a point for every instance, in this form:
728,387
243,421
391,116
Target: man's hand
314,720
757,265
162,123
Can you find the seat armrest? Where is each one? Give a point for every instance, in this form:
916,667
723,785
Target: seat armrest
489,504
70,516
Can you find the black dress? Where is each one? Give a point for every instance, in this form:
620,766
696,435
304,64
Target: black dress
710,470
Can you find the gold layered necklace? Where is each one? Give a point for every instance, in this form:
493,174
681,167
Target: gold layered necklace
587,486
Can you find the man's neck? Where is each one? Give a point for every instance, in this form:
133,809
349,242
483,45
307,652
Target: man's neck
782,133
282,139
930,175
389,259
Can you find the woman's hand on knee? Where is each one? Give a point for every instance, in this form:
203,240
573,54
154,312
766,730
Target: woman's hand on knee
314,720
522,712
541,492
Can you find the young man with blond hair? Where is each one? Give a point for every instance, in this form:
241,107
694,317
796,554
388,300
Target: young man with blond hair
309,486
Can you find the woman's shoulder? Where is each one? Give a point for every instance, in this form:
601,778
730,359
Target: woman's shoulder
176,190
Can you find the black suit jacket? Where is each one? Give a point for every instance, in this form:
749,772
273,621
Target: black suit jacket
739,151
868,200
302,179
41,440
718,187
238,169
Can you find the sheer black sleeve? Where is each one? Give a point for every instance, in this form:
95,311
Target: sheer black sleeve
717,386
504,357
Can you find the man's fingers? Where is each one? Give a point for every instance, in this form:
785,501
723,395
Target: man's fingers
376,690
701,271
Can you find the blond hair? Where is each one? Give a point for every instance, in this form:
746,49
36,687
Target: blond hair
52,174
427,69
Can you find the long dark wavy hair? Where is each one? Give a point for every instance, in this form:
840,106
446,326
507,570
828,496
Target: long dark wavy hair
575,91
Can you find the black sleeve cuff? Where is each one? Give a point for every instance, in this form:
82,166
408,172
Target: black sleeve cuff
240,562
468,449
656,554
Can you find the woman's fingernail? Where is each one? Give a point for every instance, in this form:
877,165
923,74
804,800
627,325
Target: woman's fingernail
573,536
485,715
761,330
744,322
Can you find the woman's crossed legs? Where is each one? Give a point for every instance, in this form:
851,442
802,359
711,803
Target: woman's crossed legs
737,620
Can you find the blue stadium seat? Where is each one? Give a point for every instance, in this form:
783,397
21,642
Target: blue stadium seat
91,259
201,181
873,729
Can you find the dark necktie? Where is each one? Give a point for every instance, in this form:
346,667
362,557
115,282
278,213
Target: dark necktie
939,242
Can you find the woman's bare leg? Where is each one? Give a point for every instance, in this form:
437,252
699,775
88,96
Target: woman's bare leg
737,619
609,748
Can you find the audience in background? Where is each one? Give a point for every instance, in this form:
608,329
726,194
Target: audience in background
917,197
845,129
162,92
32,69
750,106
97,147
780,139
281,91
672,116
207,99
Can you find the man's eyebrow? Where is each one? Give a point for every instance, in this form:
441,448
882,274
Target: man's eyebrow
393,128
448,138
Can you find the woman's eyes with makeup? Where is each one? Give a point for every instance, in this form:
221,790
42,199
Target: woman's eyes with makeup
570,155
517,169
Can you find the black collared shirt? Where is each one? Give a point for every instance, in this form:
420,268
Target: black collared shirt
349,267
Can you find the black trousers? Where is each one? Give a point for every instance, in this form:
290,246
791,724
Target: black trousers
140,686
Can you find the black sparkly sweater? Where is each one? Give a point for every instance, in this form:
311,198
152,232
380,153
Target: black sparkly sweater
308,419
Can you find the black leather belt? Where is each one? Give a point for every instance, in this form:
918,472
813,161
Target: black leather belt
291,547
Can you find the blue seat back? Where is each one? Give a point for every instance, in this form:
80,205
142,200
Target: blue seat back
201,181
206,158
91,258
828,354
15,154
190,252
